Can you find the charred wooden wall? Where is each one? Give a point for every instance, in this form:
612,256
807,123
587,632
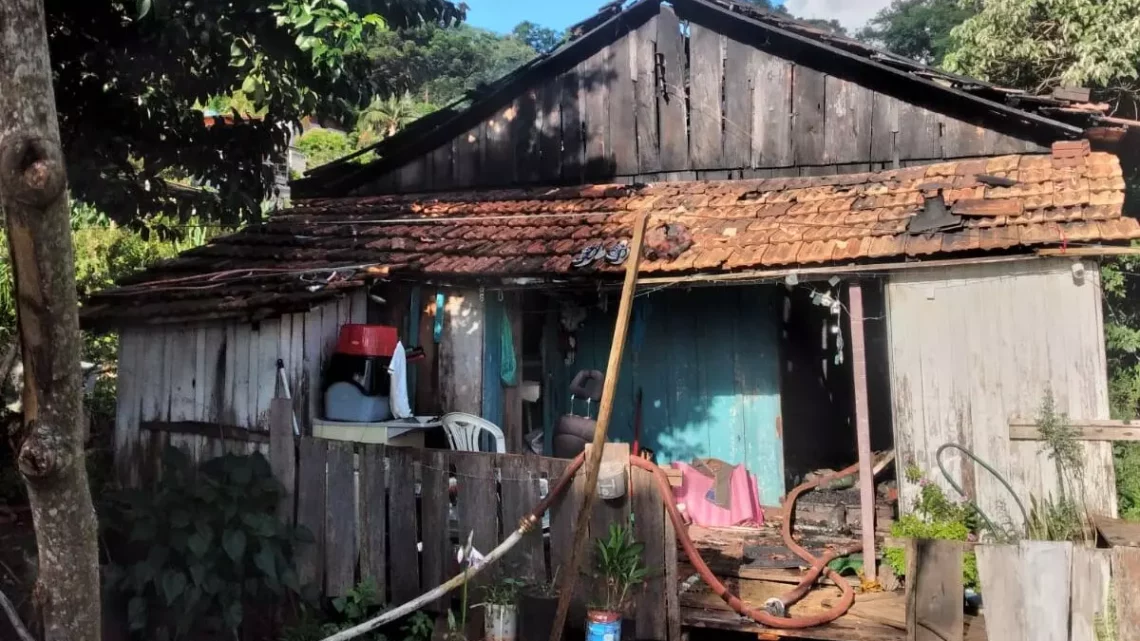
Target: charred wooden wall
673,99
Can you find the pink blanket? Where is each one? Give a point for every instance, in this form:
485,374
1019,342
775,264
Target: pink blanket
695,487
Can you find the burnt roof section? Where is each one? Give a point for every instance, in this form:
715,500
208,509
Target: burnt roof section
305,255
1053,116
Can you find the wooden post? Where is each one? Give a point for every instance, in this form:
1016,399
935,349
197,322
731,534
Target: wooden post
49,442
283,454
934,591
1126,579
862,429
605,411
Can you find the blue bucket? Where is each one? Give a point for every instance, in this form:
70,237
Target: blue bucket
603,627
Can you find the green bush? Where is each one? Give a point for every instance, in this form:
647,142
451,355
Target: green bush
322,146
203,544
935,516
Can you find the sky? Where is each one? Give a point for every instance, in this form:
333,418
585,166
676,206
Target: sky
503,15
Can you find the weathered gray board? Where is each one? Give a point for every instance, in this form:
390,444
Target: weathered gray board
723,107
971,347
1052,591
221,373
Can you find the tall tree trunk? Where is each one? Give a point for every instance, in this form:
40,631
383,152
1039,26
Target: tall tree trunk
49,444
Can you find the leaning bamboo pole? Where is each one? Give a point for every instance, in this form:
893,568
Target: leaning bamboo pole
605,411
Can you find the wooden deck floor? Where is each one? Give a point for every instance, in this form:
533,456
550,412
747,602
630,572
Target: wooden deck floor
732,554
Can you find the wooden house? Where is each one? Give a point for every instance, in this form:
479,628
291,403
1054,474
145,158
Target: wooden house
858,222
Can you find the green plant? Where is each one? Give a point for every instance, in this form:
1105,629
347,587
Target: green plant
548,589
203,544
1063,517
934,516
502,591
617,562
360,602
419,627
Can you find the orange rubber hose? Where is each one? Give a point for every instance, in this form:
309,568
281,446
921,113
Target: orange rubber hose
818,566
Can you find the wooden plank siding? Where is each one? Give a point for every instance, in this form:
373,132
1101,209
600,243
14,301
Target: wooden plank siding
990,333
669,97
221,374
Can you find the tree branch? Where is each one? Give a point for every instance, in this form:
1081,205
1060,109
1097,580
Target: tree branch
14,618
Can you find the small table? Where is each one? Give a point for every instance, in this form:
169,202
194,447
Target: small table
407,432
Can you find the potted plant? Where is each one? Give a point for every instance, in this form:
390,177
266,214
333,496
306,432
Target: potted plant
538,605
500,600
618,567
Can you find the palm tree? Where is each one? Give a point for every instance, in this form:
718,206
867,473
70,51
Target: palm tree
384,117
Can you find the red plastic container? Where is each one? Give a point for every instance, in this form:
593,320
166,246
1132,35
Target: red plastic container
367,340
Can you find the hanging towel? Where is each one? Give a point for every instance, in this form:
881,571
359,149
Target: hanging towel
398,389
508,368
437,326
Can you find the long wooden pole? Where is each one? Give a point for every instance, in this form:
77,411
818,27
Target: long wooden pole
605,411
49,444
862,429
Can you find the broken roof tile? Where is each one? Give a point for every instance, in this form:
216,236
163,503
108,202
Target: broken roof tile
733,225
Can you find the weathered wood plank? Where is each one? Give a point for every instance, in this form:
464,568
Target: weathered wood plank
1117,532
772,112
525,128
283,455
1023,430
740,72
478,516
596,75
571,106
498,165
295,370
885,129
128,401
403,528
442,171
413,175
646,92
706,75
311,509
809,115
313,366
461,354
671,103
1126,582
847,135
268,339
373,516
1092,577
961,139
562,515
468,157
209,430
435,503
1047,595
649,520
672,585
520,478
622,106
340,523
934,591
550,136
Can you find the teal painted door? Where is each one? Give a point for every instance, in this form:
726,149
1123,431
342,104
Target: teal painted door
707,362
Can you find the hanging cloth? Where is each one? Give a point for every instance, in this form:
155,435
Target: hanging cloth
437,327
508,368
398,387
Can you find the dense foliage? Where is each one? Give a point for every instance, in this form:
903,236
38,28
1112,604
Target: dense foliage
208,544
918,29
128,79
934,516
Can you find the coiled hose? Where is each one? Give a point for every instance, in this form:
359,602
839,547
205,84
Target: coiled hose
957,488
818,566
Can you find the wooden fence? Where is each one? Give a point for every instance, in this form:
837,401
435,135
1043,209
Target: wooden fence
1047,591
398,514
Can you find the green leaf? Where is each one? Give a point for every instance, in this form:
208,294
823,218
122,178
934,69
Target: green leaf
198,574
339,4
249,85
321,24
233,542
136,613
198,544
265,561
233,615
142,8
173,584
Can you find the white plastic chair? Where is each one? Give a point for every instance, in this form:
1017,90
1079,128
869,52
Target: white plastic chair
463,432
